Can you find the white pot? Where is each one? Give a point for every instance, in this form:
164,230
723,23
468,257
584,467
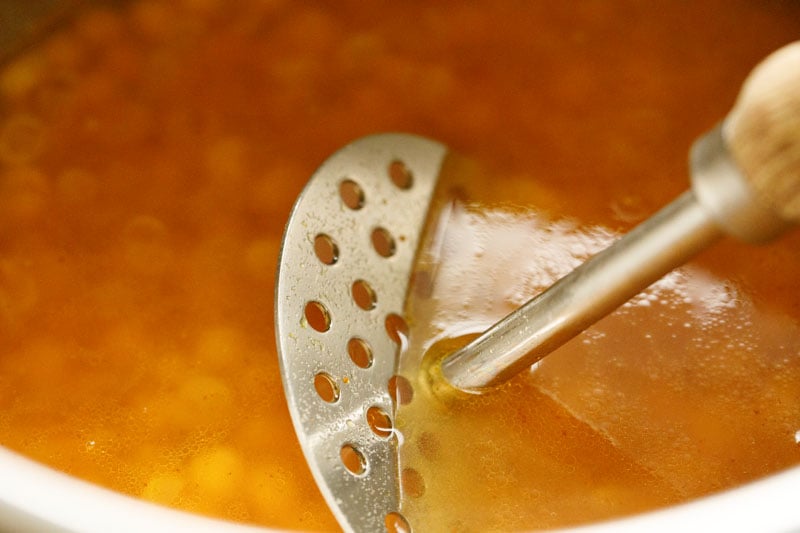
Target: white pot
34,497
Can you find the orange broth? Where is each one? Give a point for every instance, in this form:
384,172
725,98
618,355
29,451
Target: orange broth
149,157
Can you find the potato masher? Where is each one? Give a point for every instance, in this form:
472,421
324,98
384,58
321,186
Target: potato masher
348,253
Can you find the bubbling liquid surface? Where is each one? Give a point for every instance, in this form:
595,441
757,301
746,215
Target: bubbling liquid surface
150,153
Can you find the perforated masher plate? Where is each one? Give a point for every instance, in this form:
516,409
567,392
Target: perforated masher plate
346,260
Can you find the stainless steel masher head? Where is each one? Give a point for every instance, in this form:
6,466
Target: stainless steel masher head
345,266
348,254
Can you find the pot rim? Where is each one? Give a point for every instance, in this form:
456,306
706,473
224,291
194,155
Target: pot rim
75,505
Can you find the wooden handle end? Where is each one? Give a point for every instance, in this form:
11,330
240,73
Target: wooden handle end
763,131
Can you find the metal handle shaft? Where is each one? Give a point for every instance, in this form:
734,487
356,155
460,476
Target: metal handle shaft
721,201
591,291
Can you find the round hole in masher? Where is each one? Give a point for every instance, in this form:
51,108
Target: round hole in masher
400,175
396,328
383,242
379,422
351,194
360,352
396,523
400,390
353,460
317,316
326,387
363,295
412,483
326,249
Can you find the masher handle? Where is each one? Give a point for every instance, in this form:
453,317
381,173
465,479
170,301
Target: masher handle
745,182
